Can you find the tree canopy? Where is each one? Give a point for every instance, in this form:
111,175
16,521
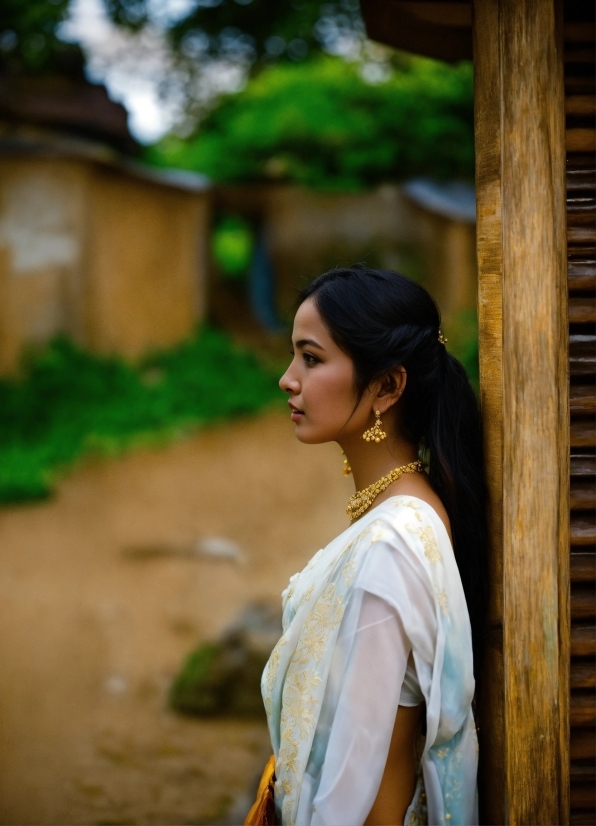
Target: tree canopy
29,39
320,123
250,32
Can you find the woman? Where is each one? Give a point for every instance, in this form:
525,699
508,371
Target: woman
369,691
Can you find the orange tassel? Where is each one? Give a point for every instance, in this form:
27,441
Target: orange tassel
262,812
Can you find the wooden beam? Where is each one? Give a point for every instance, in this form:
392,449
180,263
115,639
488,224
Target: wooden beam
398,24
520,179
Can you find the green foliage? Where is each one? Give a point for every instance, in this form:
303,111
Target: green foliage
29,41
220,678
70,403
320,124
195,689
233,244
253,33
249,32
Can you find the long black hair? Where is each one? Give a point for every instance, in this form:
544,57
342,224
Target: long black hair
382,320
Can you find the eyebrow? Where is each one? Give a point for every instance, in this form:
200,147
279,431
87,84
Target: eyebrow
304,342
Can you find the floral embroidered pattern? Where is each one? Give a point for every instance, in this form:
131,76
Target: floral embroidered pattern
270,674
442,600
348,572
298,721
307,594
325,615
429,543
295,679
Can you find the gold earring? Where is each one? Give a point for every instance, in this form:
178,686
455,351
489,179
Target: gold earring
376,432
347,469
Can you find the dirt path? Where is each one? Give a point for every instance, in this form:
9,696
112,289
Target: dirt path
91,635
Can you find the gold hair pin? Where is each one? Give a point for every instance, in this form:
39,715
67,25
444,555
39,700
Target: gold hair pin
442,338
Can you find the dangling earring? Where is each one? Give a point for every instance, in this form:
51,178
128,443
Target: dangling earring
347,469
376,432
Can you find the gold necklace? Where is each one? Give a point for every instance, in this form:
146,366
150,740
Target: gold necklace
363,499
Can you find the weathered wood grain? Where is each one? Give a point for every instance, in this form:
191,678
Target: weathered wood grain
582,745
579,139
582,399
582,355
583,602
520,182
579,818
582,710
583,640
583,464
582,310
580,180
581,235
582,675
583,433
583,530
535,379
582,797
583,567
582,496
581,275
487,127
579,105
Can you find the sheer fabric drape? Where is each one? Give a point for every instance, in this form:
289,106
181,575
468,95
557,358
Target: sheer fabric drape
377,619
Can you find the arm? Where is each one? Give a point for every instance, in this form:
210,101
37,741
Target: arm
365,730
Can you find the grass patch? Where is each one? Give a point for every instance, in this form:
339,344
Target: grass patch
68,404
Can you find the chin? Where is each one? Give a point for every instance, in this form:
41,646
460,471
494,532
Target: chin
310,436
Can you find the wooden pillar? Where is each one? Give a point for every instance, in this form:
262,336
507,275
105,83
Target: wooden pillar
520,178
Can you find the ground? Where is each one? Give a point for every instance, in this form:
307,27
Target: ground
101,597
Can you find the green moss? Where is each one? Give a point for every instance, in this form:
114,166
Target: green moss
220,679
68,404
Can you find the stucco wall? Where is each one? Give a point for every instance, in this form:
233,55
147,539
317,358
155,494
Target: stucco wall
147,263
43,215
116,262
309,232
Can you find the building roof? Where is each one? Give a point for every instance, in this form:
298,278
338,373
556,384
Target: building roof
26,141
71,105
455,200
442,30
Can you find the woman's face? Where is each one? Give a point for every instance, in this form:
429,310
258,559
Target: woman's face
320,383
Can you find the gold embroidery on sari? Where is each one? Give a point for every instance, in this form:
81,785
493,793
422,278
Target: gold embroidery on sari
297,722
307,594
429,543
442,600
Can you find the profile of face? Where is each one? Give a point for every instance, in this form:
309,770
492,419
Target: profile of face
320,384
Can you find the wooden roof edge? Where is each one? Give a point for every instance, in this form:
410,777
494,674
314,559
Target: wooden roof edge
441,30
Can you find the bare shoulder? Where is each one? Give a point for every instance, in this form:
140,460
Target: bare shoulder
418,485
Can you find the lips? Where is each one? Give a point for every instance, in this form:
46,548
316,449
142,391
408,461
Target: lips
296,414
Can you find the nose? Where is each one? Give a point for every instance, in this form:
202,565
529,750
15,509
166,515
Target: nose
288,383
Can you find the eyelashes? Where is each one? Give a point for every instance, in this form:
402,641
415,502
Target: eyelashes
307,358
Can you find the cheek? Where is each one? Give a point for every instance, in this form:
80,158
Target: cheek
331,394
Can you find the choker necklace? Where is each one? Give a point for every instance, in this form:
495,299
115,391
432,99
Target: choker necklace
363,499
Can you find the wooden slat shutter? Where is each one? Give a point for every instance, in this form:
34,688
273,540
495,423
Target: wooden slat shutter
581,248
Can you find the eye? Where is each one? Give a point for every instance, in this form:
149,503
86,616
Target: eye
309,359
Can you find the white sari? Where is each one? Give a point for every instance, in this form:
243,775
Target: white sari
378,618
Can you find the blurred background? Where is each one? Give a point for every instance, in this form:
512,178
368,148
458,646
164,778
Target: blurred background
171,172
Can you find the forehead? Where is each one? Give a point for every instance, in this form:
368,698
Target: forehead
309,324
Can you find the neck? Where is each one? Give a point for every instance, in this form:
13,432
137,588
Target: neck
370,461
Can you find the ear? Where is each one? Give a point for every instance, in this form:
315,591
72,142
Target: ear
390,389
